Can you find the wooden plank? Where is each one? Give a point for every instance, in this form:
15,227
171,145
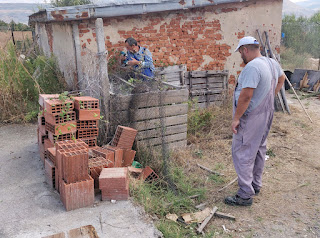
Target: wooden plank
203,80
210,98
157,132
207,86
204,92
155,123
151,99
215,103
58,235
224,215
167,139
218,72
83,232
170,69
198,73
149,113
206,221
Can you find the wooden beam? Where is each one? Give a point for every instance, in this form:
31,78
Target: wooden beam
206,221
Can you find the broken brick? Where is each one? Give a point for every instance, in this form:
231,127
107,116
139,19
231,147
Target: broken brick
148,175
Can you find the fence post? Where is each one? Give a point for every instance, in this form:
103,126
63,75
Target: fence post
103,78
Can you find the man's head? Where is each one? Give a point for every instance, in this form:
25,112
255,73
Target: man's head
132,45
249,49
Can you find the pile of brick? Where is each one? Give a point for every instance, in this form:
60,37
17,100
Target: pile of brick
74,165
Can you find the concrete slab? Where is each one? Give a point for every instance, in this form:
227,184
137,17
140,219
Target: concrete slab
31,209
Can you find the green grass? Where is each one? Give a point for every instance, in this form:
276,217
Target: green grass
159,199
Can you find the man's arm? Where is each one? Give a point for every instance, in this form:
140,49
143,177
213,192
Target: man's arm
280,83
147,62
242,105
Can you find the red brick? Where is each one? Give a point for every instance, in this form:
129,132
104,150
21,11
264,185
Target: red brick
128,157
41,124
105,153
48,144
118,155
91,142
124,137
95,167
43,97
77,195
56,106
114,183
56,119
87,133
51,154
68,136
49,172
63,128
83,114
148,174
91,124
85,103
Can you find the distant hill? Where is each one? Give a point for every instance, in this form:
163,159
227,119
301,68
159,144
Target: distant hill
310,4
18,12
290,8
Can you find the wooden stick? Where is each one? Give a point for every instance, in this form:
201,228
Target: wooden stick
228,184
208,170
122,80
205,222
288,80
224,215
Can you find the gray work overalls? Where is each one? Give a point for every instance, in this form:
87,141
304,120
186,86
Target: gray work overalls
249,145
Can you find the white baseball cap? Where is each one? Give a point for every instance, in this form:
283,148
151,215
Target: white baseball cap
247,40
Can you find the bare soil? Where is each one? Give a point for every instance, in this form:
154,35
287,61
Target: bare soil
289,202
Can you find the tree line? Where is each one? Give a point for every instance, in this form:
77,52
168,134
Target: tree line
302,34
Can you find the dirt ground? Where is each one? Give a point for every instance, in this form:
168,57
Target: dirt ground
29,208
289,202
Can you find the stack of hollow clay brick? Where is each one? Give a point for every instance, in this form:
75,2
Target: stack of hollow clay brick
88,116
75,185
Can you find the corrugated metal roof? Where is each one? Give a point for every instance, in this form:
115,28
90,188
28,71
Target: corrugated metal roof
113,8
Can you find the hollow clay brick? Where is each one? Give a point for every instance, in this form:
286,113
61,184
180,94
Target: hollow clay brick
95,167
43,97
88,124
56,106
49,172
91,142
63,128
51,154
128,157
124,137
83,114
118,155
77,195
148,174
85,102
56,119
87,133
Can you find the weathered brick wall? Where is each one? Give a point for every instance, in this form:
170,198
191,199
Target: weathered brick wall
202,38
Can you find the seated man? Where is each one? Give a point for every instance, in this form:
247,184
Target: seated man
139,58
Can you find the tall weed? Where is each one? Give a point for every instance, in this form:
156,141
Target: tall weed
21,81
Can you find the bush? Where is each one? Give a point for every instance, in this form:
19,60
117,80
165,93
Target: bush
21,81
290,60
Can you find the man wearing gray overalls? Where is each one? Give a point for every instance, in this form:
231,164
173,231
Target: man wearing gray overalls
253,107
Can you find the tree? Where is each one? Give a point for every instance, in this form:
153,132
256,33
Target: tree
302,34
63,3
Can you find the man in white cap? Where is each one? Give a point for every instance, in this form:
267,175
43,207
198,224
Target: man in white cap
253,107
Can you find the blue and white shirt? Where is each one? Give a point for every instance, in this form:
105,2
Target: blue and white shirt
143,55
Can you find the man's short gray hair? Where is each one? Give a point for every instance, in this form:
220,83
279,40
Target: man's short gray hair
131,41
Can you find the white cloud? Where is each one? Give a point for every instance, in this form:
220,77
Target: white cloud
22,1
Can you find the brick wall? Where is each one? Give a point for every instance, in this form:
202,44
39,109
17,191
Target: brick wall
203,38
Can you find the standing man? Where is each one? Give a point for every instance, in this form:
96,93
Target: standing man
139,58
253,107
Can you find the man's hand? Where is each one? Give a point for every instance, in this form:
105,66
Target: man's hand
133,62
234,125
